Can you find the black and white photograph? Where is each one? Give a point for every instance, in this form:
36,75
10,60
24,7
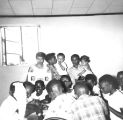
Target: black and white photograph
61,59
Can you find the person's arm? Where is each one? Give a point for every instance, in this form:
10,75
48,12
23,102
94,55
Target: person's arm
72,77
117,113
61,66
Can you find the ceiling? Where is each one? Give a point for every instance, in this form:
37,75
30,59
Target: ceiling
59,7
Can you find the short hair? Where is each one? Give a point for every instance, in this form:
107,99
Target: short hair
41,83
69,80
82,84
49,56
40,54
11,89
30,85
110,79
91,77
53,83
119,73
61,54
85,58
75,55
66,76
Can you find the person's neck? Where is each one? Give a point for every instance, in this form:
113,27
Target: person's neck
112,91
39,65
37,94
76,66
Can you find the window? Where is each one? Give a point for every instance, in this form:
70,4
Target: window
19,44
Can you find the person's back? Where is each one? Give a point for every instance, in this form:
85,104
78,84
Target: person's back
61,102
8,109
87,107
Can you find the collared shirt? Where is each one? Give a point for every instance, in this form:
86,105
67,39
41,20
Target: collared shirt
89,108
60,107
74,73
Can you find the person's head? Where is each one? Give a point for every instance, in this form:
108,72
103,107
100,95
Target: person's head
108,83
40,57
51,58
91,79
54,88
120,77
30,88
39,87
81,88
84,60
12,89
60,57
75,60
67,81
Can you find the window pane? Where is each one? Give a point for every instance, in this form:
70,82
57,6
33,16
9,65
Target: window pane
30,44
13,34
13,59
12,47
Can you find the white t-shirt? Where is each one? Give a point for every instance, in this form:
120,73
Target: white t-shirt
36,73
10,105
115,101
34,96
8,109
59,69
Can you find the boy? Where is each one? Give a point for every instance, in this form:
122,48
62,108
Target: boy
61,65
34,101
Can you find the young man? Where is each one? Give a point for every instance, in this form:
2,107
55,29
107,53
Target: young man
38,71
109,86
76,70
14,106
61,102
87,107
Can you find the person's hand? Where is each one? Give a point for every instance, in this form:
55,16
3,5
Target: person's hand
81,73
45,107
37,102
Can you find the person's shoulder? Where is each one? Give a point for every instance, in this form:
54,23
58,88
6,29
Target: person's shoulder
71,69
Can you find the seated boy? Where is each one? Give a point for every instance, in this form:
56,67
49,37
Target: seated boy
35,100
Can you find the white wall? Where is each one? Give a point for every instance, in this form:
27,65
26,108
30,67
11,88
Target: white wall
100,37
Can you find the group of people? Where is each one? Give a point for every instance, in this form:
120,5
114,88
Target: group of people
54,91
